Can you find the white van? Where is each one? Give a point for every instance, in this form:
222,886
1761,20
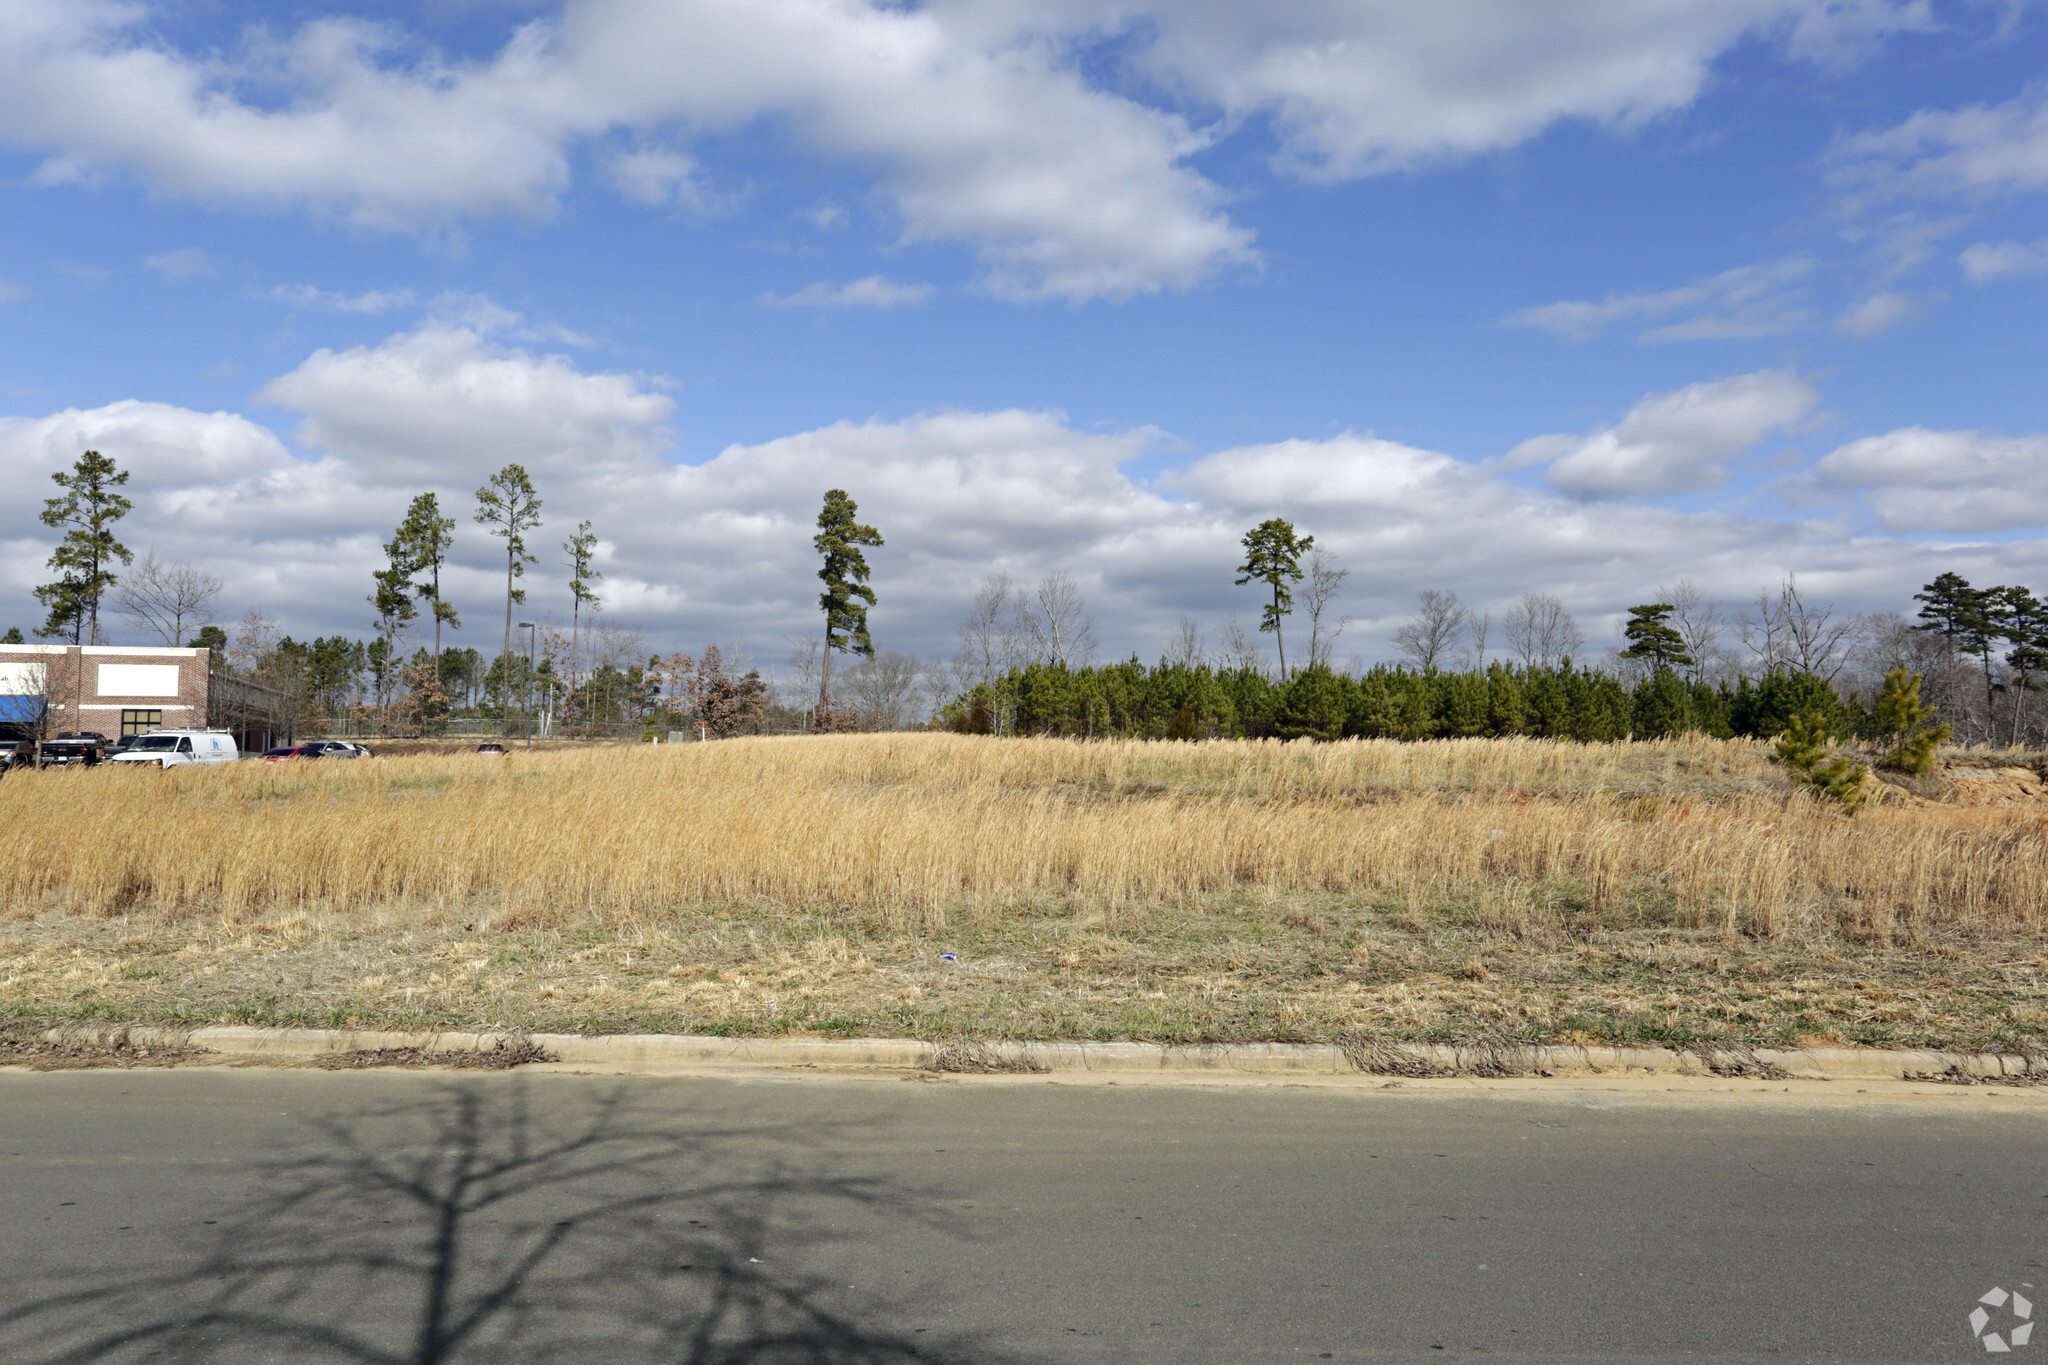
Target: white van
177,748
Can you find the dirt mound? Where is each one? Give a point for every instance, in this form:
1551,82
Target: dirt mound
1996,786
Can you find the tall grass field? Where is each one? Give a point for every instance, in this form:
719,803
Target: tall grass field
941,885
918,829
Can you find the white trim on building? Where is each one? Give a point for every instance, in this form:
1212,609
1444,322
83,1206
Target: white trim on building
108,651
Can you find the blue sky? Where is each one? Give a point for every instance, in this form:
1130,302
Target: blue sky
1492,295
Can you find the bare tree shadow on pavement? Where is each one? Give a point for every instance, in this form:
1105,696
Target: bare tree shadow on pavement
475,1225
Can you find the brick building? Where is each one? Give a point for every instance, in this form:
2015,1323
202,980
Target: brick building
117,690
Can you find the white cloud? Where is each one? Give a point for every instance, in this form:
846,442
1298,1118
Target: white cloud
698,551
10,292
657,175
178,446
436,408
209,487
1065,191
371,301
1989,260
1748,301
1883,311
487,317
1843,32
421,396
1968,482
1363,87
872,292
181,264
979,116
1979,149
1675,442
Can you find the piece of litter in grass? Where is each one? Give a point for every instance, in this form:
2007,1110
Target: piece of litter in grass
949,957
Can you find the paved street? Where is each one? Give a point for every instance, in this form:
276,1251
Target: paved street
300,1216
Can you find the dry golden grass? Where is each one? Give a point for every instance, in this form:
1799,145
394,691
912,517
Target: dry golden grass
916,831
1549,892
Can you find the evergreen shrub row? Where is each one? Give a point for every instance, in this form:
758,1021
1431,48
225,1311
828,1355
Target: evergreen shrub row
1181,701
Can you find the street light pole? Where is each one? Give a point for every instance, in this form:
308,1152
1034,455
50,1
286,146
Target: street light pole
527,626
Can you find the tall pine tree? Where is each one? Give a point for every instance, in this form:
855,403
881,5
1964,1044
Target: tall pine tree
510,507
2023,621
86,512
582,574
392,597
1948,606
1272,555
1653,640
426,536
847,596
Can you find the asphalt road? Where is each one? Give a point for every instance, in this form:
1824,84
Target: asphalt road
297,1216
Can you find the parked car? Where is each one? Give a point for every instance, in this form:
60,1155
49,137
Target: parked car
17,753
72,751
328,750
291,751
495,750
179,749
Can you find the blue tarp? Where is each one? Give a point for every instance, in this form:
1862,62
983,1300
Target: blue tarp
21,710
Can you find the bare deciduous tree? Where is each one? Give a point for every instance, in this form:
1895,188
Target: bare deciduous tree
617,644
738,658
256,637
1430,635
1541,632
614,645
1057,623
165,599
1241,649
1761,629
1479,625
27,686
940,680
1819,639
1889,640
1697,619
803,665
885,690
1186,648
1785,633
989,643
1325,580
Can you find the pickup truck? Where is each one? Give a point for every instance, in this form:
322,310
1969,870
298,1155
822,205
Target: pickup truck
72,751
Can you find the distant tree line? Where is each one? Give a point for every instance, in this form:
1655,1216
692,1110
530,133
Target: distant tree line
1682,664
1027,657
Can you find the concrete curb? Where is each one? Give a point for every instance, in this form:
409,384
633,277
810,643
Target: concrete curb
1377,1057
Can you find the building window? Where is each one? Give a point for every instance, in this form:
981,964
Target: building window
141,722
